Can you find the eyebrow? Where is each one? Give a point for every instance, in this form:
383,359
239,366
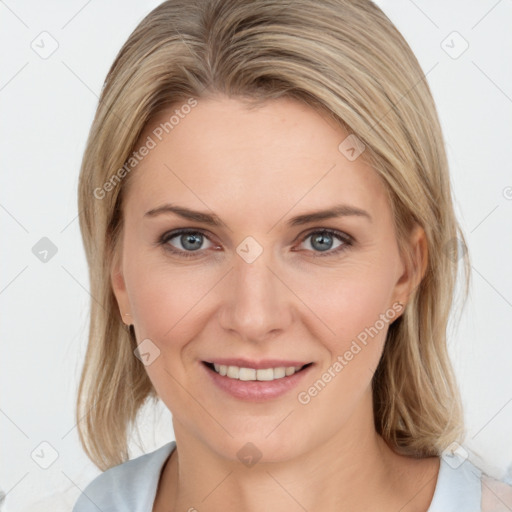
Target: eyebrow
341,210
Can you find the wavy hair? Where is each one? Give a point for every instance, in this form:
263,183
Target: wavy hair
344,58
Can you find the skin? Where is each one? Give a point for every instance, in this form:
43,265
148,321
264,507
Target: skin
256,169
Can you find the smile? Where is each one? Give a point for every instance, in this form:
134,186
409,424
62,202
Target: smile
248,374
269,381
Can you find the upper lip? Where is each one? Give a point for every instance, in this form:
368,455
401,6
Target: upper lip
264,363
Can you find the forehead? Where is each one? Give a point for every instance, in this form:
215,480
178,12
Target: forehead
274,155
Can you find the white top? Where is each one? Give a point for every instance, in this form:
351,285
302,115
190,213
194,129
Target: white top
132,486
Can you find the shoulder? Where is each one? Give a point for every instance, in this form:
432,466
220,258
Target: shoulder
462,485
128,486
458,486
496,495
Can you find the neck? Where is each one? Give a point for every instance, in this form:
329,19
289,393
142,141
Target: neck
352,470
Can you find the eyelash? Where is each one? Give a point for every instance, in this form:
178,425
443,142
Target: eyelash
347,240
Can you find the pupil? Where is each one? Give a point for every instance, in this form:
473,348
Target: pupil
324,240
190,239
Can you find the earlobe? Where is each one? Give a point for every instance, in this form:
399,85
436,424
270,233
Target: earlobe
119,288
117,279
415,265
419,259
420,251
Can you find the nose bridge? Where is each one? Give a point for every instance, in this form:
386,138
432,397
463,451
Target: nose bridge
257,303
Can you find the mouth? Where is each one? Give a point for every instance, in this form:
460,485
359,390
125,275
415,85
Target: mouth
256,381
247,374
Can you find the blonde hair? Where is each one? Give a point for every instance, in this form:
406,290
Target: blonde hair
343,57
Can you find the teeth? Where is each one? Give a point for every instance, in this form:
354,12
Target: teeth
266,374
247,374
235,372
280,372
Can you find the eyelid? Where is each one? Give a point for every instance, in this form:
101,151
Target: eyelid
320,229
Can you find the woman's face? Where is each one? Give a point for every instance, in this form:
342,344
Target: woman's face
254,283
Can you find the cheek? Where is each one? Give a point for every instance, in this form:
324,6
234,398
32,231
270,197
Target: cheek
356,308
168,310
349,304
167,301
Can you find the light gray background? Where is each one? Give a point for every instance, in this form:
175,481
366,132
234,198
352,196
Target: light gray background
46,108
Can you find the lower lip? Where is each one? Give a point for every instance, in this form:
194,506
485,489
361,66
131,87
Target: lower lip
256,390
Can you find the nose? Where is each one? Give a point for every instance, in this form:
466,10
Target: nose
256,303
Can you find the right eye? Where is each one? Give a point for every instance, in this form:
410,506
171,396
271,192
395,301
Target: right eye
188,242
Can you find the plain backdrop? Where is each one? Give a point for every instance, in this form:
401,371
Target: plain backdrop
47,103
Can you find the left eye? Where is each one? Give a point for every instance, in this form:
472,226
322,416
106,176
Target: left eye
322,241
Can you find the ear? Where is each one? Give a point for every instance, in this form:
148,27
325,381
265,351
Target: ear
119,289
414,263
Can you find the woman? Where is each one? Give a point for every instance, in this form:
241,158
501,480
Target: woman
267,216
